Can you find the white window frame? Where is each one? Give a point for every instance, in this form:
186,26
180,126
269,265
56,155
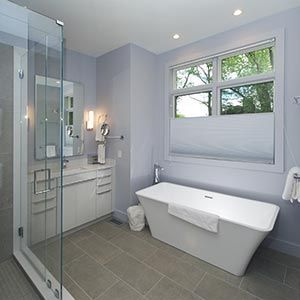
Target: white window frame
235,48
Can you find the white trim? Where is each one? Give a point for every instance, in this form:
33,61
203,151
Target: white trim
37,279
264,39
278,73
16,151
120,215
282,246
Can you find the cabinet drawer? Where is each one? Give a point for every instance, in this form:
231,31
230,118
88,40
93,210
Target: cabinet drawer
43,225
103,188
42,206
103,204
43,196
76,178
104,173
43,185
103,180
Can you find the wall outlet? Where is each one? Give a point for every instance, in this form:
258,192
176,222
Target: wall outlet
119,154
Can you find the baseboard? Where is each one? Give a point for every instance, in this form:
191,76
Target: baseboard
120,215
282,246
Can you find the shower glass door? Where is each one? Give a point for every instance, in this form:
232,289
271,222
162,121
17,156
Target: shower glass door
41,119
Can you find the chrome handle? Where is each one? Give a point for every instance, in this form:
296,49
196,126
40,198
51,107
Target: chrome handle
48,180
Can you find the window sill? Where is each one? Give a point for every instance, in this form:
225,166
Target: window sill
215,162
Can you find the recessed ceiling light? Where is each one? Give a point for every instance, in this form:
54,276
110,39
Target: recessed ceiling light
176,36
237,12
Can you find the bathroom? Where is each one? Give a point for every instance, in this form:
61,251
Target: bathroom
105,105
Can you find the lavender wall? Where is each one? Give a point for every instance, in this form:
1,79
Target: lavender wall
251,184
142,127
81,68
126,82
113,98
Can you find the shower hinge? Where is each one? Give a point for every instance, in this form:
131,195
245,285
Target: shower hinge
60,23
21,73
21,232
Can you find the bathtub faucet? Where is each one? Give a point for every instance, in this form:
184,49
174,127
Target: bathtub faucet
157,169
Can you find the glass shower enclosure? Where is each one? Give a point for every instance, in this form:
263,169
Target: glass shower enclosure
35,44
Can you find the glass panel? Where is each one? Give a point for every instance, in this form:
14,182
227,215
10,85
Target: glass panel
252,98
30,45
74,112
44,176
193,105
247,64
194,76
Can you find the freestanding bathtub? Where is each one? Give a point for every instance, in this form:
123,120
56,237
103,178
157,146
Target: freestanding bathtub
243,224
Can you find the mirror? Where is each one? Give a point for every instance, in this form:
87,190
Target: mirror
48,89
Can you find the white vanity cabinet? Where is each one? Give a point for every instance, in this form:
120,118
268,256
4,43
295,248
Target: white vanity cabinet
43,208
104,192
79,203
87,195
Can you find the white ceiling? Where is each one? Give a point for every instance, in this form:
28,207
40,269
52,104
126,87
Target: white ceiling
95,27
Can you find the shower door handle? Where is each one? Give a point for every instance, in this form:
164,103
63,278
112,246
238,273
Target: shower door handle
48,181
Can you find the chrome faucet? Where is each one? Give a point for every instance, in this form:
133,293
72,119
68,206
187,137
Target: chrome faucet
157,170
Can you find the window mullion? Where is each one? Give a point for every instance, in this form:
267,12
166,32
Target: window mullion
215,106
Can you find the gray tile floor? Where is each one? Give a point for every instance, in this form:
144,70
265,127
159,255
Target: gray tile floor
13,283
109,262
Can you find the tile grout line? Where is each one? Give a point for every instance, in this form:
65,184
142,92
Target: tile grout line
155,285
177,283
115,275
199,281
157,249
150,267
105,241
76,284
276,281
101,294
106,290
240,284
180,258
276,262
285,274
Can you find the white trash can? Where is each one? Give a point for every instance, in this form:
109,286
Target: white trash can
136,217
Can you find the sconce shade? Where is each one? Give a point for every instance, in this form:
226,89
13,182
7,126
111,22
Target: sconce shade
90,121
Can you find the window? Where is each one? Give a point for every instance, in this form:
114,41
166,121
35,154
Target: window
227,109
237,83
193,105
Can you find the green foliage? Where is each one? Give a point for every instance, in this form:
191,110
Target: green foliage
252,98
194,76
246,64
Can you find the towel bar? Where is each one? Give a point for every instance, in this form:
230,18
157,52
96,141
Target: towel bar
118,137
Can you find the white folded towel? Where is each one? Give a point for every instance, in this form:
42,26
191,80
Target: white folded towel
194,216
101,153
292,186
51,151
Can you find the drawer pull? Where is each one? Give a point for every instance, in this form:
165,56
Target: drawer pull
103,192
43,211
43,200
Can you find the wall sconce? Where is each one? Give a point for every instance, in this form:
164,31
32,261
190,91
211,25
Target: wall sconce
90,120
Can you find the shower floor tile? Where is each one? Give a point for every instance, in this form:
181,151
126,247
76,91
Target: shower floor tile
13,283
134,266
